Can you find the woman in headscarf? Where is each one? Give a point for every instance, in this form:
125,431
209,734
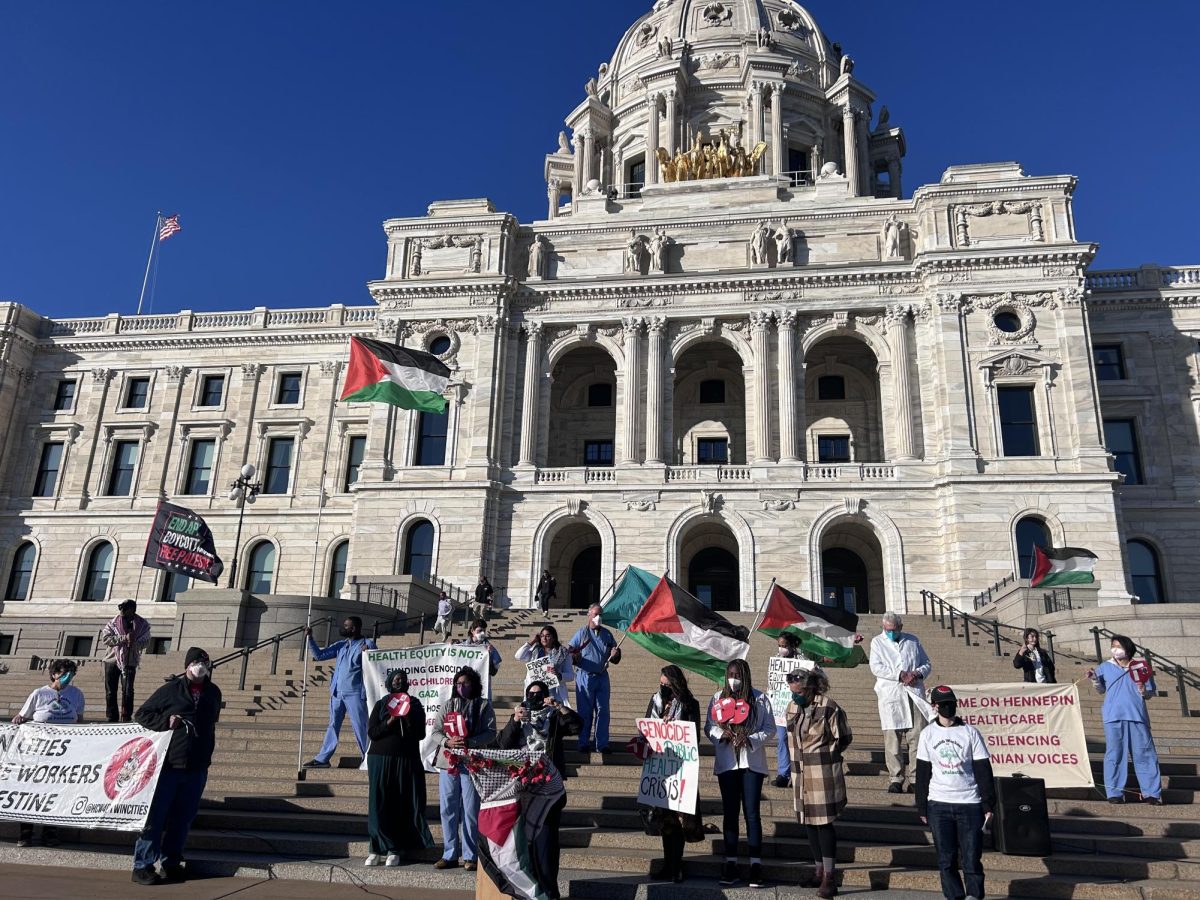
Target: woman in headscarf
396,776
673,702
553,659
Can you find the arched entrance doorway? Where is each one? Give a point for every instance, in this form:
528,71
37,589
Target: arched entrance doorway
852,568
574,559
710,563
584,589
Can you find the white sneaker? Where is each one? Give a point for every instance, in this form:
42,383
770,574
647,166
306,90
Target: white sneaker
393,859
373,860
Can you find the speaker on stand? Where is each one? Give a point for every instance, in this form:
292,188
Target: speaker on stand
1022,821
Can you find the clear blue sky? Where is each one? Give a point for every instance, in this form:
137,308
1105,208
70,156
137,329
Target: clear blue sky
284,133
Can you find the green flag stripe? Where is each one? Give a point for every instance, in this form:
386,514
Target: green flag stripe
819,649
667,648
390,392
1067,576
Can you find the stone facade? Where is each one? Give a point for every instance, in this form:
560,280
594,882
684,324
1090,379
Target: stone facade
732,379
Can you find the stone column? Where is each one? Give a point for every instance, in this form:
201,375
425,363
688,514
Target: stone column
672,125
529,405
850,147
652,139
633,388
894,177
777,155
656,327
897,331
756,113
866,189
553,196
957,431
760,324
577,186
788,426
589,159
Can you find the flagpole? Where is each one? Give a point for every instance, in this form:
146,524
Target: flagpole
761,606
625,633
149,259
612,587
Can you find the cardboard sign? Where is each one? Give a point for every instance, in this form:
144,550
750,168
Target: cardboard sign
778,690
731,712
454,725
671,770
541,670
1140,671
399,705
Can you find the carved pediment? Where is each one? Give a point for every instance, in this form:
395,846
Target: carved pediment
1021,364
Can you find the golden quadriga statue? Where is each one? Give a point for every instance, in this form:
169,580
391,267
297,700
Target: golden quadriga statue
719,159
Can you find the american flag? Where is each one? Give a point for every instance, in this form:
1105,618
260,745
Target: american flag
169,226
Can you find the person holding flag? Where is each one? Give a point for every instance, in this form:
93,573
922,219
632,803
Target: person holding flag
1127,684
593,649
346,693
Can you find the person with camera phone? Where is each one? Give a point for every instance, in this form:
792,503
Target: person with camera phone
1034,660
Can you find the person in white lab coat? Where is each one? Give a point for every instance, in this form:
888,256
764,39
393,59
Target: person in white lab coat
900,666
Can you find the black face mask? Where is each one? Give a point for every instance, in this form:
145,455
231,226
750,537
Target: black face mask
948,710
665,692
347,632
535,701
399,686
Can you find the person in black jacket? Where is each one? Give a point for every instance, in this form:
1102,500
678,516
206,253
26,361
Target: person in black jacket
188,705
673,701
1037,663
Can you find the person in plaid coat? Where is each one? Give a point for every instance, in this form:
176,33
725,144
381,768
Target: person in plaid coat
818,734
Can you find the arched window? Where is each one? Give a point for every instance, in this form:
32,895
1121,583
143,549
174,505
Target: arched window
337,571
174,584
21,575
262,568
439,345
1030,530
418,550
99,572
1145,572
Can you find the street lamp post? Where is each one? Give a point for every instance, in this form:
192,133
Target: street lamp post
244,491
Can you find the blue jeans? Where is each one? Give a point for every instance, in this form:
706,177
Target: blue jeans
176,800
591,697
783,757
1125,739
459,805
339,706
741,787
958,835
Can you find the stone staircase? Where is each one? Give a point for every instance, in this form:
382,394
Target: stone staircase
258,819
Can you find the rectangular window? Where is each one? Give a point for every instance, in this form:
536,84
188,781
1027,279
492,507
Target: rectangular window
354,457
597,453
833,448
6,644
288,392
279,466
712,391
174,584
831,387
1018,421
200,467
64,396
1120,437
137,393
77,645
1110,362
431,439
600,394
637,179
120,476
159,646
48,467
212,389
712,451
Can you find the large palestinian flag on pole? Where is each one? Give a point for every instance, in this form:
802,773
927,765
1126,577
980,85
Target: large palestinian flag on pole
387,373
628,598
826,633
675,626
1064,565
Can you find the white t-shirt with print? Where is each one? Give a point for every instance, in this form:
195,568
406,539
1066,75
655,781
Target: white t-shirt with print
950,752
54,707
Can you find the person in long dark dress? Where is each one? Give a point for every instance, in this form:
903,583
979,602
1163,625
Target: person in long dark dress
396,777
673,702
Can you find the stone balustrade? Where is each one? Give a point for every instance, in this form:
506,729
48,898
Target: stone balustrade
255,319
807,472
1146,277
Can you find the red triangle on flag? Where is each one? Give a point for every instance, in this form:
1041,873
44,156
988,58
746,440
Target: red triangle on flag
496,822
657,615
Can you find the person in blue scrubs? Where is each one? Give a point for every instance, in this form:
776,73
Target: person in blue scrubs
1127,723
593,649
346,694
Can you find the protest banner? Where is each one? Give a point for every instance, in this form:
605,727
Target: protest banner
778,691
541,670
1033,729
180,542
671,773
430,669
82,776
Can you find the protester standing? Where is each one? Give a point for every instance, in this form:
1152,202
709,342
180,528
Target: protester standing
445,616
544,648
458,800
1127,685
787,647
673,702
477,636
189,706
126,635
396,803
484,595
819,734
593,650
346,693
1038,664
955,795
741,766
547,590
900,666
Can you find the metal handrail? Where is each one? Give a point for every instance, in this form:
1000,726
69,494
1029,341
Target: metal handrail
984,597
400,626
1184,677
273,642
1052,601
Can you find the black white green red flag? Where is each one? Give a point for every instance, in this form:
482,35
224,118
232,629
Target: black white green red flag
1062,565
387,373
827,634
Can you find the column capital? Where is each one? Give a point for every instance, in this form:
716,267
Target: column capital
787,318
102,376
950,303
632,325
656,325
760,320
896,314
533,329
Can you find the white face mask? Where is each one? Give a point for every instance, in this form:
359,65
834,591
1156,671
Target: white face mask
785,651
198,671
595,621
478,636
735,684
1118,653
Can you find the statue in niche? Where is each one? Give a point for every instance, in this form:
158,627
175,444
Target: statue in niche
664,48
537,257
893,238
635,255
758,244
658,249
765,41
783,245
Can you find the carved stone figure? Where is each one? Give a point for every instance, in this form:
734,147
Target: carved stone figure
783,245
664,48
758,244
716,14
709,501
635,255
765,41
591,88
893,230
829,170
884,117
564,146
847,65
658,250
537,257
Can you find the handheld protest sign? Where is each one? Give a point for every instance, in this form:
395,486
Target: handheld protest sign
399,705
454,725
731,712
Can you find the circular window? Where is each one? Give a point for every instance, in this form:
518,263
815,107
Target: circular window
439,345
1008,322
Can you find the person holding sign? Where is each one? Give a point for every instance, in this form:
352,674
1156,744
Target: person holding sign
740,723
467,720
548,661
346,692
818,734
673,702
1037,664
396,778
788,647
1127,684
900,667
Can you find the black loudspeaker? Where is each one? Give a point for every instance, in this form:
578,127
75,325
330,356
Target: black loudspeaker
1022,825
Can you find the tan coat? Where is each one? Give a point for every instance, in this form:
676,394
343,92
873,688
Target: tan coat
817,738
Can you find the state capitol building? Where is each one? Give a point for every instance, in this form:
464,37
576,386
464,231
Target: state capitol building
737,347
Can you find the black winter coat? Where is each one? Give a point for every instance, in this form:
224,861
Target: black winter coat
1022,661
192,744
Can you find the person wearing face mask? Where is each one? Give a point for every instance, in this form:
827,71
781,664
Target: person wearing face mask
484,595
346,694
477,636
673,702
787,647
955,795
58,703
1127,723
457,800
900,666
819,734
396,776
1037,663
741,767
126,636
445,615
593,650
544,647
188,706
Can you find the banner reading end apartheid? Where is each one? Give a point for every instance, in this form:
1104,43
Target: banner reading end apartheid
181,542
81,776
1033,729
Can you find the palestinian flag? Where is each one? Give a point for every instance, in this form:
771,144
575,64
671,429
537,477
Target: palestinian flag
826,633
675,626
386,373
628,598
1064,565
